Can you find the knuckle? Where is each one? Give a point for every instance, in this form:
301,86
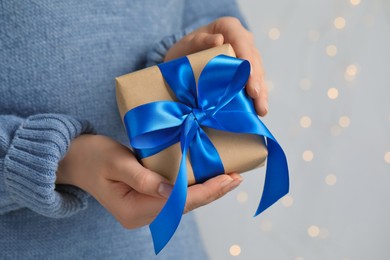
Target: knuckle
250,36
126,221
229,20
126,225
198,37
188,208
141,179
226,22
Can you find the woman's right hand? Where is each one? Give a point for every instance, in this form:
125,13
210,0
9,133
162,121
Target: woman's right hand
133,194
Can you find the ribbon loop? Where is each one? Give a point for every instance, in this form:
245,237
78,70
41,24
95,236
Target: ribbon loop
220,103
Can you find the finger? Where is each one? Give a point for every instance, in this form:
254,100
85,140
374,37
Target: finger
146,181
136,210
202,194
243,44
256,86
203,41
261,103
192,43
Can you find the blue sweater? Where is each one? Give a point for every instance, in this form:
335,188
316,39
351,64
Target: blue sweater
58,61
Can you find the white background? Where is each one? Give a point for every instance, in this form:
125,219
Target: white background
338,206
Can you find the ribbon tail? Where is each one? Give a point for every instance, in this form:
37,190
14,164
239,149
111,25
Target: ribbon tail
276,183
165,224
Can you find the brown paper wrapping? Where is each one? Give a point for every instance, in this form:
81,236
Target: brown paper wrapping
238,152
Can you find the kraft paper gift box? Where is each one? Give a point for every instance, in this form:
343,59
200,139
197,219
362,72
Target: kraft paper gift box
238,152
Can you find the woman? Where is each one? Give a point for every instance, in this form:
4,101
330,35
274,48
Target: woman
69,188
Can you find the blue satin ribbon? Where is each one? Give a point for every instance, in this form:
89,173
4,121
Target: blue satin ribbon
220,102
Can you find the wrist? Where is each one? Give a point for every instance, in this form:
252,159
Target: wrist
69,169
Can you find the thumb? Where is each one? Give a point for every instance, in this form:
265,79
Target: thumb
213,189
192,43
147,182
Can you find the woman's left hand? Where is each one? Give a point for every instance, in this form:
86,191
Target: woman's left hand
228,30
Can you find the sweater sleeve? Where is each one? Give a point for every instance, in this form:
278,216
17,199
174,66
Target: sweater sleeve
195,14
30,150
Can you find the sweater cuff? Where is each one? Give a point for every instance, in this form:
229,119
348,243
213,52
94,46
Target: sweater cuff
157,53
31,162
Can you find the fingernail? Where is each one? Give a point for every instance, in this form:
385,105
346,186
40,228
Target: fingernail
265,107
165,190
256,88
239,177
227,181
235,184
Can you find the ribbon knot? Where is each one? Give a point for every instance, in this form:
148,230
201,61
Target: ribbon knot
199,115
225,106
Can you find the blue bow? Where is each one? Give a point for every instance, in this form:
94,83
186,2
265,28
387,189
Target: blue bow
220,102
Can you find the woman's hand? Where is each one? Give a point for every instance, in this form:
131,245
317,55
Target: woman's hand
133,194
228,30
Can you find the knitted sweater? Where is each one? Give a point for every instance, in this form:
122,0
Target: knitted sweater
58,61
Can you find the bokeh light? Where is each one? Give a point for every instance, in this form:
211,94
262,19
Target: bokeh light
331,50
287,201
333,93
355,2
344,121
339,22
313,231
305,122
351,72
307,156
274,33
235,250
266,225
331,179
242,197
387,157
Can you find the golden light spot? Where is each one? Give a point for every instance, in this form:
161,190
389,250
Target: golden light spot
339,22
331,50
314,35
387,157
335,130
331,179
313,231
266,225
307,156
235,250
242,197
355,2
344,121
305,84
299,258
350,72
287,201
305,122
333,93
274,33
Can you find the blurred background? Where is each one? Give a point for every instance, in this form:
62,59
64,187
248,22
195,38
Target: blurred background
328,71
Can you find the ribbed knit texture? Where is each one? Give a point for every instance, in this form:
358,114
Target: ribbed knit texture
58,63
31,162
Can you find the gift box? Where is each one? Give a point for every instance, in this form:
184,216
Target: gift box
238,152
189,120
